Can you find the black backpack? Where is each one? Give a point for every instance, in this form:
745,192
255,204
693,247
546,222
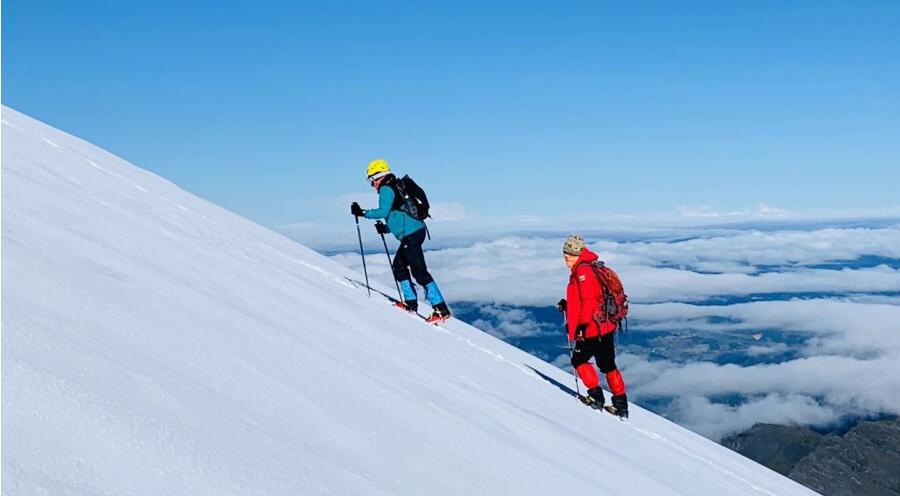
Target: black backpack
410,198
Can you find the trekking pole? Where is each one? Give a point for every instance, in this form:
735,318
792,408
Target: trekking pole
571,352
363,255
388,254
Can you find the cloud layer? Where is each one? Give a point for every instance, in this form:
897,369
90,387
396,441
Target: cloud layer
530,271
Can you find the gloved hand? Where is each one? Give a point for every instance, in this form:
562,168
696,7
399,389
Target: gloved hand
561,306
579,332
356,210
381,228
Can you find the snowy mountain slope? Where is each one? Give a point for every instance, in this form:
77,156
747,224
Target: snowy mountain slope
154,343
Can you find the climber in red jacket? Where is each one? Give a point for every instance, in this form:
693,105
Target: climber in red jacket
593,337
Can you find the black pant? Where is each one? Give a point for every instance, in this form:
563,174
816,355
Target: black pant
410,258
602,349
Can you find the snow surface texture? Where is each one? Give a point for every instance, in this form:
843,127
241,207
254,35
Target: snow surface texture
154,343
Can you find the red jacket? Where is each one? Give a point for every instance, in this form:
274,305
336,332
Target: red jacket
583,298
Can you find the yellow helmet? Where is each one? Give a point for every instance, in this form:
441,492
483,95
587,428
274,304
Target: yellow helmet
376,167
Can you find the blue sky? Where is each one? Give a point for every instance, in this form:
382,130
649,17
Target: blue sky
508,110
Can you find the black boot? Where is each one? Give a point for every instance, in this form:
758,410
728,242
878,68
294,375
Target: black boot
411,306
620,405
441,313
597,398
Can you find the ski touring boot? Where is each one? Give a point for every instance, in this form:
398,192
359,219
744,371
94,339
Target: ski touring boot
441,313
407,306
594,398
619,406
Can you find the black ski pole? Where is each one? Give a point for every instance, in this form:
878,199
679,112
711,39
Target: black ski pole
388,255
363,255
571,352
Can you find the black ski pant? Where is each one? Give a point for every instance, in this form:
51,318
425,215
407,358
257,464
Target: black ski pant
601,348
411,259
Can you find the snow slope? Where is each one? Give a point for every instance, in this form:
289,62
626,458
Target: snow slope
154,343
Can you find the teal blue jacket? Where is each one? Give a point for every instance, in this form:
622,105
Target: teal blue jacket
399,222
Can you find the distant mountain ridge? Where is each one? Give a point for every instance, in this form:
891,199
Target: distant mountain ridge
865,461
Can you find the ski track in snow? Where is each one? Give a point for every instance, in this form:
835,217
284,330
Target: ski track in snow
719,468
155,343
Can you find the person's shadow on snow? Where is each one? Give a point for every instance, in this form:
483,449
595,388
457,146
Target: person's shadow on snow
553,381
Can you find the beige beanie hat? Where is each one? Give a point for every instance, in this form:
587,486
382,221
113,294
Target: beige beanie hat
573,245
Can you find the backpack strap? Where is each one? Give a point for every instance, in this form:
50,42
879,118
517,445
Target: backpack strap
574,277
595,268
392,182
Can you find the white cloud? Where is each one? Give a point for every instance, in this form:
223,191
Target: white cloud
707,212
841,380
651,284
843,386
762,350
840,327
753,247
764,210
530,271
717,420
511,322
851,367
887,300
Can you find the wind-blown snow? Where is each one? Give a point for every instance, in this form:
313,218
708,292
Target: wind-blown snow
154,343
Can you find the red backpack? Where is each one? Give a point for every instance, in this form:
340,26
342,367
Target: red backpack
614,306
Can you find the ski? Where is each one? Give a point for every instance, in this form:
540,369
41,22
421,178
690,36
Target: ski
399,306
394,302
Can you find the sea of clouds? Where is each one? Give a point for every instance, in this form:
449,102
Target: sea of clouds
838,287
